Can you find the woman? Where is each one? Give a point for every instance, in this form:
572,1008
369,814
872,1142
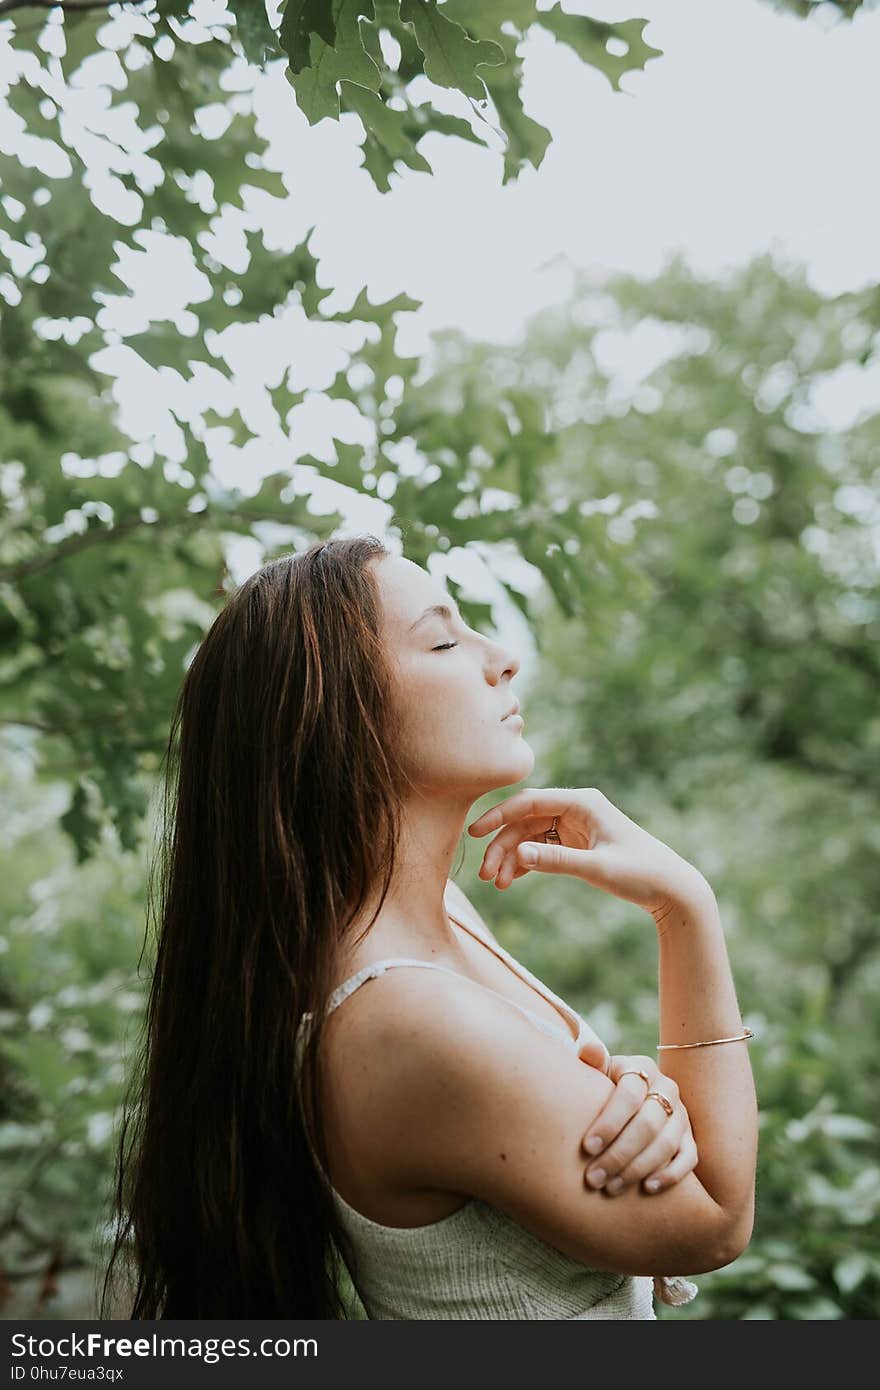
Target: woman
337,723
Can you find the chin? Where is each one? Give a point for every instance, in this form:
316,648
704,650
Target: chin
523,760
514,767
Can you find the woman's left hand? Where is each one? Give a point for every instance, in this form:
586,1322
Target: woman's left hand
640,1142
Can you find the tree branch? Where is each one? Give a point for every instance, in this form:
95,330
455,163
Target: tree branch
12,574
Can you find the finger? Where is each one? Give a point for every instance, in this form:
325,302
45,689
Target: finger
636,1136
594,1053
589,864
619,1109
655,1155
684,1162
623,1103
508,872
595,866
622,1062
505,843
529,801
537,801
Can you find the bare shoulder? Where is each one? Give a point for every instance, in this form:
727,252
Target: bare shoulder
377,1040
457,1092
459,899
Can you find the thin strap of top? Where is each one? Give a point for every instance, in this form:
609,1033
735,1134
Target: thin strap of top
369,972
378,967
585,1032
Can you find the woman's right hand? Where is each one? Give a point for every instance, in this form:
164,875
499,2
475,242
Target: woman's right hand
632,1139
598,843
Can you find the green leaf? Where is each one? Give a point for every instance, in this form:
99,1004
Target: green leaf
442,123
387,137
79,41
345,59
817,1309
233,421
789,1276
258,38
451,57
850,1271
83,827
303,18
526,140
590,38
362,311
804,8
518,597
486,19
348,468
478,613
847,1127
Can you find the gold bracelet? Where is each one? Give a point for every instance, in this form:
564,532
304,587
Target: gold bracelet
738,1037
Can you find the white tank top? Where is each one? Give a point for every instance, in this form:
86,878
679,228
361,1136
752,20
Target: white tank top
478,1263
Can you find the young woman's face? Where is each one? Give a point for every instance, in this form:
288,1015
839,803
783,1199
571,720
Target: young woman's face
453,686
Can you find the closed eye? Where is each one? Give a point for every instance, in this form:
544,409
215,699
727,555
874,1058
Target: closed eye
445,647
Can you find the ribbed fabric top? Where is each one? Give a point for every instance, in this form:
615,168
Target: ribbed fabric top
478,1263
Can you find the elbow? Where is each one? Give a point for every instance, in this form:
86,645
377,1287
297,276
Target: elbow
721,1241
712,1248
712,1251
734,1239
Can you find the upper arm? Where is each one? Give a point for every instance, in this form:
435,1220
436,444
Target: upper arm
478,1101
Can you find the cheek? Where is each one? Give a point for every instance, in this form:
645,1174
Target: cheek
442,720
440,726
447,724
454,738
439,692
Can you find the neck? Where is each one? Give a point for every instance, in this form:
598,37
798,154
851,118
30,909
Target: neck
413,918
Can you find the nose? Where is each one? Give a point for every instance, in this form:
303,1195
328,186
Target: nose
506,661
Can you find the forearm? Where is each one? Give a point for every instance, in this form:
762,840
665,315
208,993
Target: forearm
697,1001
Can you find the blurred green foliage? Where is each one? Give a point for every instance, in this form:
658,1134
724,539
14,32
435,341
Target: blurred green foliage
732,709
707,628
805,8
113,550
724,693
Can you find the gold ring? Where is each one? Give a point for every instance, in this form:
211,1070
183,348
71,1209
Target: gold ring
551,836
637,1071
664,1101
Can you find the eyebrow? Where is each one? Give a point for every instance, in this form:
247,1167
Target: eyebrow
441,609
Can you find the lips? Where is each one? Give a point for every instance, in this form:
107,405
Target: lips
514,709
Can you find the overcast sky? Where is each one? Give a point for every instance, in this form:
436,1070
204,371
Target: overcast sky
754,130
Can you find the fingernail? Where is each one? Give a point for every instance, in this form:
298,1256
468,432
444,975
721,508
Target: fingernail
596,1177
615,1185
593,1144
652,1184
528,854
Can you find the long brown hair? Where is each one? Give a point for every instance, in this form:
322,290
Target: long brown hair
282,800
